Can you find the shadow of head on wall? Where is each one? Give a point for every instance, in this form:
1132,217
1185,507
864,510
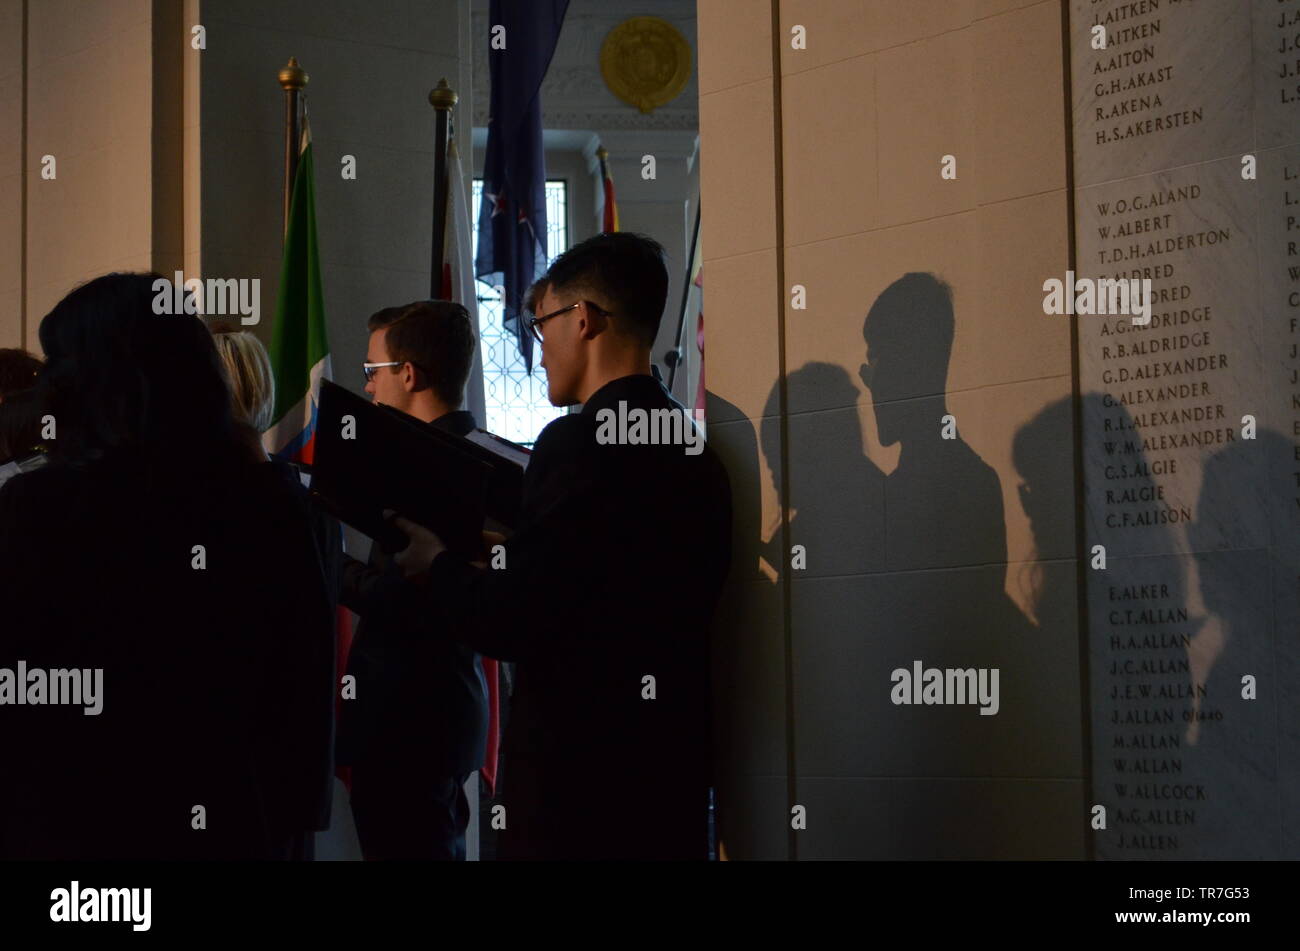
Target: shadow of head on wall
943,502
1042,452
1246,548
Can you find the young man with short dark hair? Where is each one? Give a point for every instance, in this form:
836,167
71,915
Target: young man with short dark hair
425,351
604,595
417,727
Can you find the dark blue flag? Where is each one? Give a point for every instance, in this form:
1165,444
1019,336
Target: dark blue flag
512,215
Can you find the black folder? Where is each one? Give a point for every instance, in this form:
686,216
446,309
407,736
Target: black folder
506,460
371,457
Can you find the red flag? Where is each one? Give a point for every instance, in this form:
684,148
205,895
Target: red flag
610,221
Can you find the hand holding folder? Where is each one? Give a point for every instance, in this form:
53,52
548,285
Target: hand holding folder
371,458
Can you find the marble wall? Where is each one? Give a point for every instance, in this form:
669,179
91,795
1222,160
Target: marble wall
1188,175
891,399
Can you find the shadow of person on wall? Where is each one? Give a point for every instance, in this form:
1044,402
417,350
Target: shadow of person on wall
748,668
1227,487
1136,597
1042,452
1242,739
943,502
737,447
836,512
943,599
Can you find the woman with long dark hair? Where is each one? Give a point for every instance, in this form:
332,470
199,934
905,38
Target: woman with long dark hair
175,584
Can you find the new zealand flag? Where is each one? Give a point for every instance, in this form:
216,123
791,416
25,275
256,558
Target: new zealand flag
512,217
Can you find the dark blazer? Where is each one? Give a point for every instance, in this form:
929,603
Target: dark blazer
611,578
217,681
421,699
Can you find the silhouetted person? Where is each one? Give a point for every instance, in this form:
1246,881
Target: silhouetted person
609,584
247,369
151,549
417,728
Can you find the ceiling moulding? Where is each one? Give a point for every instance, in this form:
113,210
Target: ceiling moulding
671,145
574,83
627,118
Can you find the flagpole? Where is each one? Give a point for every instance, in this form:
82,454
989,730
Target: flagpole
293,79
443,98
674,356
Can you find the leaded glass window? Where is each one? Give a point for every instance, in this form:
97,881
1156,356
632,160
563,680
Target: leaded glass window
517,407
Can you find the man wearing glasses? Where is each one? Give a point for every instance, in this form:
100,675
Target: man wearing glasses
417,727
607,589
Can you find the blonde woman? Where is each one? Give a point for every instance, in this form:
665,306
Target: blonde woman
252,385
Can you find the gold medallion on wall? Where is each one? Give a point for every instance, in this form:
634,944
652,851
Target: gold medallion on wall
646,62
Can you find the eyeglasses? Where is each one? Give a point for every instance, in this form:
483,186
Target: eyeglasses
369,369
533,322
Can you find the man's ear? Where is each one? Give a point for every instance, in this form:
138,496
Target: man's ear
592,323
410,377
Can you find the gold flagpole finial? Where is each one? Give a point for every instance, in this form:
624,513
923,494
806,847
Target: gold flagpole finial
602,153
443,96
293,76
